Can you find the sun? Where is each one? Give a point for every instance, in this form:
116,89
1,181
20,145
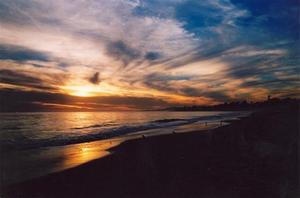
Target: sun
90,90
81,91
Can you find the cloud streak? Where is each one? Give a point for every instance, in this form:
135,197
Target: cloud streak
176,51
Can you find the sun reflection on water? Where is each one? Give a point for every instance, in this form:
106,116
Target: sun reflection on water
78,154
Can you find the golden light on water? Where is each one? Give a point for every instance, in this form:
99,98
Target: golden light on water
78,154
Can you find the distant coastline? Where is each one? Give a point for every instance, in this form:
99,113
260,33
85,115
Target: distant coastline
238,105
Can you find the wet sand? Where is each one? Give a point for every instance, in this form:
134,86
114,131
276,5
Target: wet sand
22,165
256,156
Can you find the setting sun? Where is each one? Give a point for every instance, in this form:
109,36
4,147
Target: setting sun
82,91
89,90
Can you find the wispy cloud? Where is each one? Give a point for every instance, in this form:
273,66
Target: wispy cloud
177,51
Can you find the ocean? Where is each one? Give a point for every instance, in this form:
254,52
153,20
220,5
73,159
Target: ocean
39,143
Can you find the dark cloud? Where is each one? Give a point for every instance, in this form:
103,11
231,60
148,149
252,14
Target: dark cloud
16,100
119,50
152,56
217,95
18,53
274,82
95,79
260,66
162,83
160,77
161,86
244,69
9,76
20,79
133,102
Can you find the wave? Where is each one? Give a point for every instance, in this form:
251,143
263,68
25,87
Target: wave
106,132
166,120
96,126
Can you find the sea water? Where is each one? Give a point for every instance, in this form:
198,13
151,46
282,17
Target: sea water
35,144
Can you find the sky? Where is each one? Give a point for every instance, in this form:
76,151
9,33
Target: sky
146,54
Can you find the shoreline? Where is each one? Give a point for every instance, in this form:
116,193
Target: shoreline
119,131
34,163
252,157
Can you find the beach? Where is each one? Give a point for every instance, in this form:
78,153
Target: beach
149,98
37,144
256,156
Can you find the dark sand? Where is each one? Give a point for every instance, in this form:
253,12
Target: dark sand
251,158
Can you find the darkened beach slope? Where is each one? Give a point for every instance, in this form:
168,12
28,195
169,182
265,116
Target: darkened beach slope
251,158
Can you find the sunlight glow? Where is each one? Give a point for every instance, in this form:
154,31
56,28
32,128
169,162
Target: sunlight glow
82,91
88,90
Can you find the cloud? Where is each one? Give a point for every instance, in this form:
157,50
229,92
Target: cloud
20,79
16,100
271,82
119,50
171,50
217,95
182,86
152,56
8,76
156,8
95,79
18,53
11,12
248,51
